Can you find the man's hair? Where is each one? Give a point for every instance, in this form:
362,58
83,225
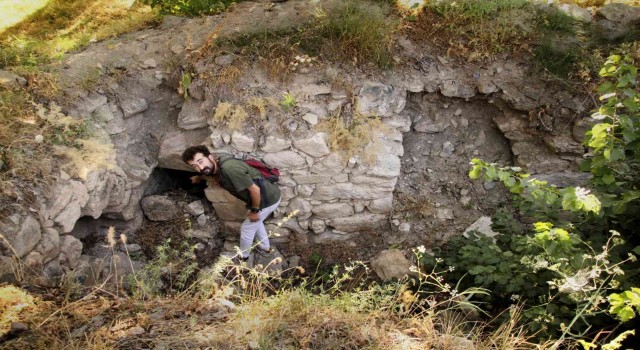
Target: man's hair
190,152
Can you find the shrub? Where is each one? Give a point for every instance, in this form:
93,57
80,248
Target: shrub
190,7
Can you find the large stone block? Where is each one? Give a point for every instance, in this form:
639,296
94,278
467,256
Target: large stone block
159,208
193,115
275,144
333,210
243,142
391,263
314,145
357,222
326,192
333,164
22,232
285,159
226,206
376,99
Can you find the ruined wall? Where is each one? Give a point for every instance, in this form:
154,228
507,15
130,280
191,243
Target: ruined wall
137,111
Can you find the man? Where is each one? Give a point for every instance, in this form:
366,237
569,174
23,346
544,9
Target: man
245,183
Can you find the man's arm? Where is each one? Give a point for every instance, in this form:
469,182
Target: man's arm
254,193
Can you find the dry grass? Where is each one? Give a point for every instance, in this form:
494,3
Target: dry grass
27,140
65,25
352,134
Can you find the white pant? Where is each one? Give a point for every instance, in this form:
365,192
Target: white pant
249,230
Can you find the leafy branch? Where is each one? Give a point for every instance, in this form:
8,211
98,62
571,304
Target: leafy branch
574,199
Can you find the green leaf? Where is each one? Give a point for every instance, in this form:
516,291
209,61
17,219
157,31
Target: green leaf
608,179
475,172
636,250
616,154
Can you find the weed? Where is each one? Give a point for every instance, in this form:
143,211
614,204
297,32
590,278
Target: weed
353,135
185,83
288,101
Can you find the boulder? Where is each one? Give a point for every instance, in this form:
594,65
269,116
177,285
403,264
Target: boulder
159,208
376,99
22,232
70,251
390,264
227,207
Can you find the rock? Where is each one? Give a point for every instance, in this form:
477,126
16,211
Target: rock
284,159
401,123
49,245
447,150
404,227
302,206
390,264
565,178
70,251
275,144
159,208
137,330
489,185
432,125
34,260
514,127
150,63
580,127
311,179
254,345
333,164
195,208
381,205
357,222
620,13
482,226
326,192
193,115
310,118
333,210
243,142
130,248
576,12
612,31
444,214
377,99
318,226
133,106
564,145
202,220
458,343
225,60
314,108
226,206
535,159
22,232
9,79
314,145
386,166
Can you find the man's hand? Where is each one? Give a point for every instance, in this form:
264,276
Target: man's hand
196,179
253,217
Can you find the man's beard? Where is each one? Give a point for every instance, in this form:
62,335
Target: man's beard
207,171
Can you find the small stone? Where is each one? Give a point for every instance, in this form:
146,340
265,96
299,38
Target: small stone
310,118
200,247
136,330
489,185
447,150
444,214
458,112
464,192
254,345
404,227
150,63
202,220
39,138
224,60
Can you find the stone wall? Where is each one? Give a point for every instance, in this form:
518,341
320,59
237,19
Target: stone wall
137,110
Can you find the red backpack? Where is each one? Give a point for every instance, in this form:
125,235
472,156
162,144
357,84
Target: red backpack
268,172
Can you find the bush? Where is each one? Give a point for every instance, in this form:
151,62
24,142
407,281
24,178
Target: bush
190,7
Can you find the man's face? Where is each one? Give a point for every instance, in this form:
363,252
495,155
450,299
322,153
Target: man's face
201,164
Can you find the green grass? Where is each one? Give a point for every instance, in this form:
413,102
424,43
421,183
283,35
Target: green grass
14,11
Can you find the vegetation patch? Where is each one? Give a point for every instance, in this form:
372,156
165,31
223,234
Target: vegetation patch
352,31
355,134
